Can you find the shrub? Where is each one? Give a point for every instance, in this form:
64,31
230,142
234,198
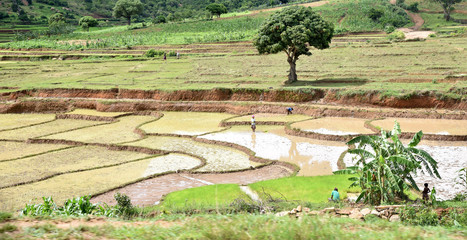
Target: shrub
135,26
375,14
153,53
5,216
413,7
419,216
172,54
389,28
124,205
159,19
8,228
396,35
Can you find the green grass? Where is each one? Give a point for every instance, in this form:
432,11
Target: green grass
315,189
207,196
271,227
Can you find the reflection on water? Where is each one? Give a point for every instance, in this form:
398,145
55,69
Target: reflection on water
314,157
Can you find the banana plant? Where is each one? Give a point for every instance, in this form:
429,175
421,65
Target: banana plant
385,167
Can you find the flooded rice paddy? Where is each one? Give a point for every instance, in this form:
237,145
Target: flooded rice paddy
334,126
431,126
59,169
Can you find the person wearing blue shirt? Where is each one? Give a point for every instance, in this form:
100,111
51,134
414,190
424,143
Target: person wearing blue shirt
335,195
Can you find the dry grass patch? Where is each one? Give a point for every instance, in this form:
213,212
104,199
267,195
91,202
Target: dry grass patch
117,132
68,160
91,182
9,121
218,158
13,150
59,125
186,123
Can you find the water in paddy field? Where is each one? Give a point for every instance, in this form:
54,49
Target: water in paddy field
315,157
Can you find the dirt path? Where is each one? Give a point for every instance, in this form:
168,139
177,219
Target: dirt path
151,191
413,32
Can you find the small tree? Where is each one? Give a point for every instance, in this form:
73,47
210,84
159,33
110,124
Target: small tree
127,8
56,19
447,7
87,21
216,9
292,31
384,166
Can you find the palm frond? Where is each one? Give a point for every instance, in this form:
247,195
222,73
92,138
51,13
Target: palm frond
416,139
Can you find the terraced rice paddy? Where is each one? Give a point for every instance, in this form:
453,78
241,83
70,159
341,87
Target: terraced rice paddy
33,170
91,182
334,126
431,126
14,150
218,158
314,157
10,121
48,128
91,112
64,161
269,117
186,123
117,132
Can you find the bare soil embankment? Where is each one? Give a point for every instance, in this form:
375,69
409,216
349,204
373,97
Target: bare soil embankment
324,96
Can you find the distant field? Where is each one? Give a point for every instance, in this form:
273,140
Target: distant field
395,69
13,150
10,121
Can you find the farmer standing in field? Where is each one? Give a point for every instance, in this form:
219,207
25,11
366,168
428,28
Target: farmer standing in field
253,123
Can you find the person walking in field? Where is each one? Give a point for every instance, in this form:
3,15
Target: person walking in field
165,56
335,197
253,123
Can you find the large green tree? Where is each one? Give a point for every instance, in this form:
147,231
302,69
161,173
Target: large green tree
447,7
292,31
127,8
216,9
385,167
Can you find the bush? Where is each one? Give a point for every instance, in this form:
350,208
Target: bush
159,19
172,54
375,14
413,7
135,26
419,216
389,29
124,205
153,53
396,35
5,216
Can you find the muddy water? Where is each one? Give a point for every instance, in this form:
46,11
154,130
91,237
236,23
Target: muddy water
92,112
186,123
314,157
270,117
334,126
431,126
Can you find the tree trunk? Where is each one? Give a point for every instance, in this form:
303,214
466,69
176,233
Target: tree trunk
292,72
129,20
447,14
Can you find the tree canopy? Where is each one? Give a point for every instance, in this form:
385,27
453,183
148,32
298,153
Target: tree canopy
87,21
127,8
216,9
56,19
447,7
292,31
